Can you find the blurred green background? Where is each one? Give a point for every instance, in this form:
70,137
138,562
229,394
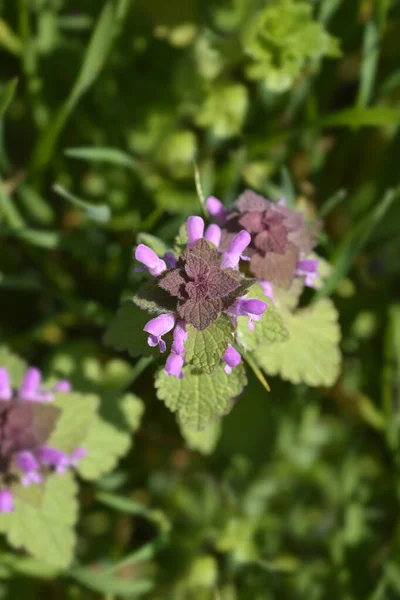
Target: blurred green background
104,109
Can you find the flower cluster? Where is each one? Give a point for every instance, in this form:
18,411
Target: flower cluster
27,419
203,283
280,238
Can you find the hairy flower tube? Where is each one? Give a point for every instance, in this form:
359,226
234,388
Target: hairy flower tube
198,287
27,419
279,238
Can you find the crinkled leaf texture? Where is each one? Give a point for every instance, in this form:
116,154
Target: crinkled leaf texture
153,299
126,331
200,399
45,531
109,440
268,330
311,354
204,349
78,412
204,441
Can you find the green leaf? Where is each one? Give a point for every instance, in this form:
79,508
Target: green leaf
181,240
112,156
204,349
153,242
289,192
311,354
126,331
355,241
363,117
100,213
369,64
78,412
268,330
199,399
46,532
93,62
153,299
108,441
204,441
109,584
15,366
7,94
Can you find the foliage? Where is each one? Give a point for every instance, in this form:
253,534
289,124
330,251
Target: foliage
103,112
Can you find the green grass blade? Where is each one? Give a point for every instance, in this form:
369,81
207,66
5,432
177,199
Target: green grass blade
112,156
100,213
7,95
355,241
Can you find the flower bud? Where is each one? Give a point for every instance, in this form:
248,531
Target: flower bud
174,365
213,235
231,258
216,209
195,229
232,359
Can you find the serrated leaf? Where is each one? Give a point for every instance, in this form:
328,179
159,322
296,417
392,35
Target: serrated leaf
204,349
270,329
77,414
15,366
199,399
46,532
311,354
154,299
204,441
108,440
126,331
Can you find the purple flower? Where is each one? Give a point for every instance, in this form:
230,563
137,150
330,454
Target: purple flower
213,235
76,456
268,289
230,258
170,260
27,463
30,384
195,229
62,386
279,237
248,308
216,210
232,359
157,328
6,501
174,365
52,457
309,268
179,338
149,258
5,388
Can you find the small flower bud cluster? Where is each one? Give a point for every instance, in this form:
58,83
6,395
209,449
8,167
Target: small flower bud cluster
25,457
205,282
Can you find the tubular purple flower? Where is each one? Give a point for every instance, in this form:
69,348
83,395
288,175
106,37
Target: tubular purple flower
30,385
179,338
268,290
149,258
76,456
213,235
231,258
248,308
157,328
216,209
53,457
26,462
174,365
6,501
5,388
309,268
232,359
62,386
195,230
170,260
